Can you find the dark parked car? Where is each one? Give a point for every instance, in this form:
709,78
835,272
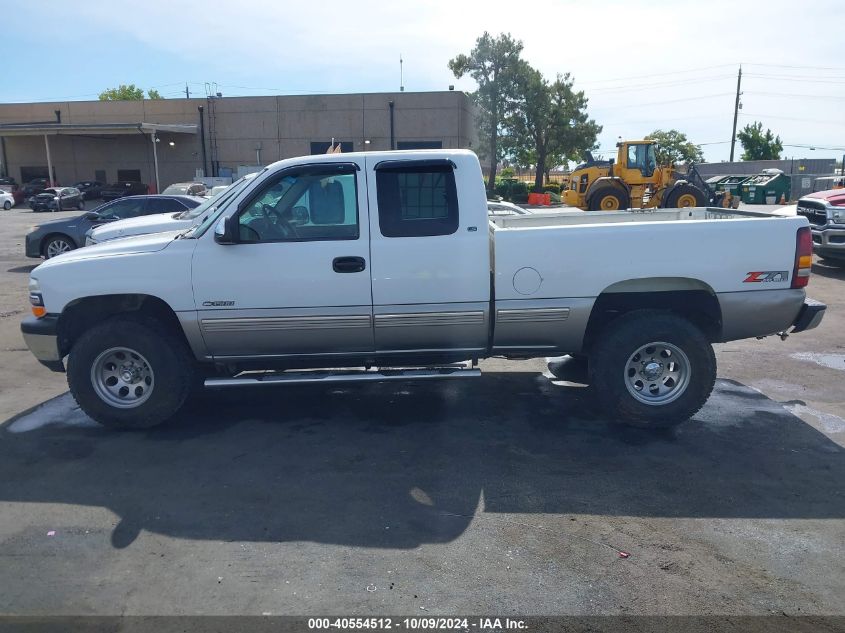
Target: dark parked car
122,189
34,187
89,188
59,236
57,199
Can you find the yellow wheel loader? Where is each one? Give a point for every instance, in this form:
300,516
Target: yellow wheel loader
634,181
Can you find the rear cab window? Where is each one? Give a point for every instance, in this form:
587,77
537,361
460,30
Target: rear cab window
417,198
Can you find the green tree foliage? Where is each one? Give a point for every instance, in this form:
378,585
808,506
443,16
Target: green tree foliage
128,93
673,148
493,63
548,124
759,145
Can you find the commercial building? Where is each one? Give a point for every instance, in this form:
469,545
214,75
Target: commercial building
112,141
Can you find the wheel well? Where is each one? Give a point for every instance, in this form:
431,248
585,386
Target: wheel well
698,306
47,238
81,314
607,181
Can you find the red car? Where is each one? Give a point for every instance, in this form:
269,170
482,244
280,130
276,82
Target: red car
826,212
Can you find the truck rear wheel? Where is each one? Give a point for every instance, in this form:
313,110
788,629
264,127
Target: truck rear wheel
684,196
128,373
652,369
609,199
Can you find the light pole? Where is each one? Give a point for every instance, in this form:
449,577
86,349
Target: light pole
154,139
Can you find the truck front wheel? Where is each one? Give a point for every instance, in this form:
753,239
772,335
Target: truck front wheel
652,369
129,373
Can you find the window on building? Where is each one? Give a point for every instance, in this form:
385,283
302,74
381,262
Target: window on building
417,201
419,145
129,175
321,147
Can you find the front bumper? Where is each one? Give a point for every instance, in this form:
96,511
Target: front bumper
829,241
33,245
42,339
809,317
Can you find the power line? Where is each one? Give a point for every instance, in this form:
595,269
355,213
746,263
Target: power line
639,105
789,118
674,72
652,86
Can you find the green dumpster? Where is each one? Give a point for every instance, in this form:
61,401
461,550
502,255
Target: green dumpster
731,184
767,187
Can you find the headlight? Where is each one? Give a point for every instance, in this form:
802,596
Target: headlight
838,216
89,241
34,228
35,299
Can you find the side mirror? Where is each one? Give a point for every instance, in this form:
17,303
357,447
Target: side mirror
226,230
92,215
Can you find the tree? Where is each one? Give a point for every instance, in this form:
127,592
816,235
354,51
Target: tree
128,93
549,124
674,148
757,144
492,64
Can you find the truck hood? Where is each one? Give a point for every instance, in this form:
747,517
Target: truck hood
139,226
149,243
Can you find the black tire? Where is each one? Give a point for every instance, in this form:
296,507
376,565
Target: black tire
681,197
7,205
166,354
52,245
81,204
609,199
615,350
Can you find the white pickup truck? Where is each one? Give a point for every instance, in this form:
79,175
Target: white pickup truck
384,266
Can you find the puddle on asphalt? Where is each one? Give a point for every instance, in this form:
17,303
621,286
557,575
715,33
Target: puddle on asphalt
833,361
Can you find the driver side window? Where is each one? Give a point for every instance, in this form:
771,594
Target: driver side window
303,207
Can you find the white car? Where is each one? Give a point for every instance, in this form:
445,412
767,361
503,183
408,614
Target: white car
162,221
7,200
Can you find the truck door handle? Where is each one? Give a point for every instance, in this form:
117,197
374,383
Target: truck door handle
348,264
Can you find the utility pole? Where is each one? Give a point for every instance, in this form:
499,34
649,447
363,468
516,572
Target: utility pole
187,92
401,75
736,110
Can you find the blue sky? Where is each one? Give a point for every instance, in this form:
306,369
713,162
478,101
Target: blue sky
644,65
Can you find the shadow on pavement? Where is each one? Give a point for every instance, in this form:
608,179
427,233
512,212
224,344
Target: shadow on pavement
397,465
831,270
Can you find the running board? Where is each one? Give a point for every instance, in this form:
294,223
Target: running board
306,377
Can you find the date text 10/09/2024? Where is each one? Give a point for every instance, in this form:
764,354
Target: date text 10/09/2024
419,624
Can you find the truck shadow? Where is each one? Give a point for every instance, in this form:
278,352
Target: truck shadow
398,465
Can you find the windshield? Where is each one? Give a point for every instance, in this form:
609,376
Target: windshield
216,205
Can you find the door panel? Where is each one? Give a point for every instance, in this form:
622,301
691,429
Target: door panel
278,294
430,270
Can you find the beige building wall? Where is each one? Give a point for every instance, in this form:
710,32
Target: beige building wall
238,131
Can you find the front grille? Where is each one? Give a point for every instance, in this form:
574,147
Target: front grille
815,212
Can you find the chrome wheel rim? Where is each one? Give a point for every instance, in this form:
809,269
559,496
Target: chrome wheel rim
657,373
57,247
122,378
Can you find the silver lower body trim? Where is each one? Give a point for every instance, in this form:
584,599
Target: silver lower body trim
758,312
44,347
312,377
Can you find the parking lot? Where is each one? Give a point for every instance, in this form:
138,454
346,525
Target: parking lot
502,495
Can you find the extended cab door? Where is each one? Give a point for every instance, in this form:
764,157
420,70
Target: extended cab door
297,282
430,249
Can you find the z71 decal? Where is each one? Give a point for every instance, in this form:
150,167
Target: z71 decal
767,276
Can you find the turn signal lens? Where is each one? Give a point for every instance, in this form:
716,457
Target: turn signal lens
39,311
803,257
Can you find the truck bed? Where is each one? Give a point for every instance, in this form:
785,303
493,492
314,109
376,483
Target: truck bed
550,268
578,217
